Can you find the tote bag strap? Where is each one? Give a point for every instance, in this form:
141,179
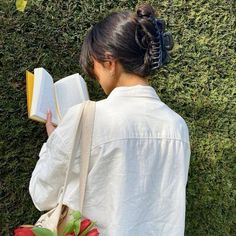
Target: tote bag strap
83,138
85,145
76,138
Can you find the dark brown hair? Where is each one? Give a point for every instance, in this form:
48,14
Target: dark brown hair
137,41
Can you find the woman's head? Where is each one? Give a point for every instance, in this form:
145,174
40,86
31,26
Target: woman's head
136,41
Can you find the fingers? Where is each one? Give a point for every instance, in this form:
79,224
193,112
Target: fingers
49,125
49,116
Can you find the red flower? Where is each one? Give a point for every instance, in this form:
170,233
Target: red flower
93,232
23,231
84,224
71,234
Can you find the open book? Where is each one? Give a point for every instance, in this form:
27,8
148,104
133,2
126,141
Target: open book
44,94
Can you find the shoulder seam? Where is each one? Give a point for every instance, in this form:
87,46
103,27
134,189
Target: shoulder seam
115,140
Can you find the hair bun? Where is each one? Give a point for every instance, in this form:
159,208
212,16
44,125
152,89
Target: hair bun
151,37
145,10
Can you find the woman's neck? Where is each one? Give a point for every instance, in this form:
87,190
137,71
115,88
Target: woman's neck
126,79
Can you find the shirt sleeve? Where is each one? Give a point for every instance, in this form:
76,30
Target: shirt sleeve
48,176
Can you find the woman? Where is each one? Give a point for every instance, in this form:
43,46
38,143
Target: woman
140,149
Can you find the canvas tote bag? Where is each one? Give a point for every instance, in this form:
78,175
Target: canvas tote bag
56,219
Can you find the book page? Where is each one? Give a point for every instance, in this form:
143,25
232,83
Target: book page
43,95
70,91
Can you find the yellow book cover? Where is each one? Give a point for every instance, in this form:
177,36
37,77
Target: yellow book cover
29,89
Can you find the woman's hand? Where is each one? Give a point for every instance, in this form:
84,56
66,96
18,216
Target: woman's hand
49,125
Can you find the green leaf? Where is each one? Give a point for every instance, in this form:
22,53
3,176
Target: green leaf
20,5
38,231
69,227
77,215
77,227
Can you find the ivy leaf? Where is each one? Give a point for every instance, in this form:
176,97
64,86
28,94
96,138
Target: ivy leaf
38,231
77,227
20,5
69,227
77,215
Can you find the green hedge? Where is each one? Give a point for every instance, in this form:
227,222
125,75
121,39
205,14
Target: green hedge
199,84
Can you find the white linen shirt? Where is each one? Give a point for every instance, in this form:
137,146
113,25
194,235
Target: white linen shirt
138,167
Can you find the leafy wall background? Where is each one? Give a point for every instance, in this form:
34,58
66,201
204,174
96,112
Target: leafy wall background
199,84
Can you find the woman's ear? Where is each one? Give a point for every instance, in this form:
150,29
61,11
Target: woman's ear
112,65
109,63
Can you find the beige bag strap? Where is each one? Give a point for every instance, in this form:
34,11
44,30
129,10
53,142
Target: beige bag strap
77,135
83,137
85,145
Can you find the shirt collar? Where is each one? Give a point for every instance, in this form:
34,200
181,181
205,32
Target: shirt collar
134,91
